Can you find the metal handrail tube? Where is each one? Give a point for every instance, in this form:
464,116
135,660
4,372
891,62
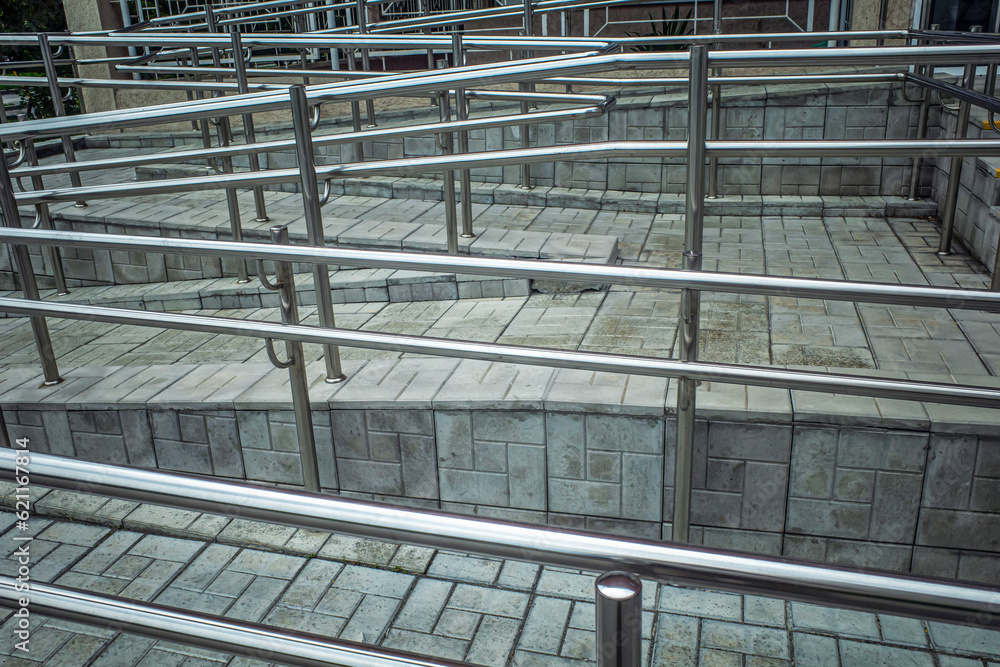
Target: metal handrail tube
760,376
181,39
981,100
731,80
180,84
524,70
214,633
518,156
549,98
328,140
257,71
417,82
319,39
880,592
952,35
531,96
784,286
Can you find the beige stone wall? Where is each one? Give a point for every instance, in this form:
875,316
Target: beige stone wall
83,15
865,14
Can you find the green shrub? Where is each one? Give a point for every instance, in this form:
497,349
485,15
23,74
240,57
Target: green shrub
672,27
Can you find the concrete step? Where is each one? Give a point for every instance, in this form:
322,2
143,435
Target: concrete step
195,216
347,286
611,200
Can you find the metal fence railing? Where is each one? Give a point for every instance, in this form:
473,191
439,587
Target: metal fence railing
665,562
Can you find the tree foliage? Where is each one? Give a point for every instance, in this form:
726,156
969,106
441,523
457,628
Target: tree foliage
33,16
30,16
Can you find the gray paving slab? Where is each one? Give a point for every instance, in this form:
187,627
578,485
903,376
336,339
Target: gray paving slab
482,610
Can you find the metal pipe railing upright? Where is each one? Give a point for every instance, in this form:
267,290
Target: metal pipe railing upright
314,224
688,329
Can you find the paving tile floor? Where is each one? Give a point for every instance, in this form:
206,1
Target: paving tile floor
735,329
481,610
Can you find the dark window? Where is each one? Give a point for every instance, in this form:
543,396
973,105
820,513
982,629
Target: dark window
962,14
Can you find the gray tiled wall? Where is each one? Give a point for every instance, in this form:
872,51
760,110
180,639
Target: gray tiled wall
903,500
780,113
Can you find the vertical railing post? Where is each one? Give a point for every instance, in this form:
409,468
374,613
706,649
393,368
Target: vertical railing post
995,279
690,299
331,23
925,105
366,64
57,103
22,262
446,144
299,24
206,134
295,363
715,128
359,147
619,619
461,111
882,15
525,107
424,7
955,173
314,223
225,134
44,219
834,24
249,133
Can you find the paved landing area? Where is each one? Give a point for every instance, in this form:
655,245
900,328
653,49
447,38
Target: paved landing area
748,329
481,610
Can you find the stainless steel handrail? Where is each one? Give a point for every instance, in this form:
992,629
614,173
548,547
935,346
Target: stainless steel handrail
318,141
599,362
520,71
215,633
310,41
570,152
666,562
734,283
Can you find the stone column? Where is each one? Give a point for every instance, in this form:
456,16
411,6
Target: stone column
84,15
899,15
